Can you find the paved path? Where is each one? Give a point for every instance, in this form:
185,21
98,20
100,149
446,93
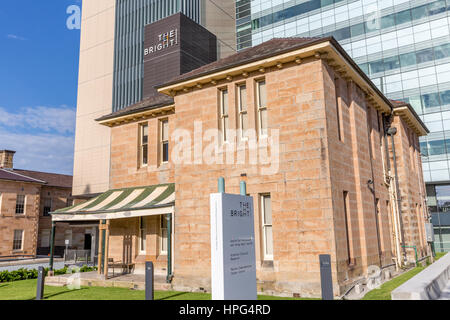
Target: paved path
34,264
30,266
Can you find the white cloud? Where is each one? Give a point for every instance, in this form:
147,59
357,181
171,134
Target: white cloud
48,119
48,146
40,152
16,37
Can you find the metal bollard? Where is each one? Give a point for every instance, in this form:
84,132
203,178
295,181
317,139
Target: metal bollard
40,284
325,277
149,281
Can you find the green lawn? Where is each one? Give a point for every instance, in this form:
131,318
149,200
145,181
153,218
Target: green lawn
440,255
384,291
26,290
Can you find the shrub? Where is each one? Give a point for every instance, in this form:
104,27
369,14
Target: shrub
61,271
24,274
85,268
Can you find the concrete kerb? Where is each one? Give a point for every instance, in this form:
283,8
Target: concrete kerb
428,284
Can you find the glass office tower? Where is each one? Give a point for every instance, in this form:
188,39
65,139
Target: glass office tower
402,45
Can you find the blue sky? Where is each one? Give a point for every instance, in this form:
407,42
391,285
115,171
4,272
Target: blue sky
38,83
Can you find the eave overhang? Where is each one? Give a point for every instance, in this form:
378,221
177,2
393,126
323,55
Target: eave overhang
137,115
411,118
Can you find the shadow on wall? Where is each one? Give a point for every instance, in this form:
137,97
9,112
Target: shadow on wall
87,190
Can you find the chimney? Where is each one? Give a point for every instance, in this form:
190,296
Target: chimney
6,159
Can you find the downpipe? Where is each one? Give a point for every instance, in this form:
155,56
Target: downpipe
392,131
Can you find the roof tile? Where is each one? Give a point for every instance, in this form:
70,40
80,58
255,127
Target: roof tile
268,48
7,174
51,179
160,100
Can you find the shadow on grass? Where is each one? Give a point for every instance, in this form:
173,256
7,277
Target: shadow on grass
46,297
173,296
4,285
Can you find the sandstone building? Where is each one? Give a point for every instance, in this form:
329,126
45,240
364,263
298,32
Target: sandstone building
26,200
333,167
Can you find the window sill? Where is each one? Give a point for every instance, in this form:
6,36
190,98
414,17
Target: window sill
164,165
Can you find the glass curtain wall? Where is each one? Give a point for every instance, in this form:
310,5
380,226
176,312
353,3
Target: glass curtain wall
439,206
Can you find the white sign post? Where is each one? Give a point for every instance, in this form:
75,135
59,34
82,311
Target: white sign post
233,262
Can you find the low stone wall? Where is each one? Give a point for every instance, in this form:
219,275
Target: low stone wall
428,284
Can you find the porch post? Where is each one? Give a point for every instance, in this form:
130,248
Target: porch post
93,244
106,249
52,245
243,187
169,247
101,253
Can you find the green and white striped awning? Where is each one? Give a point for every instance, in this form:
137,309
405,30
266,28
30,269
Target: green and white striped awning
122,203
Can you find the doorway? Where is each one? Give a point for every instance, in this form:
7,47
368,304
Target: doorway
87,241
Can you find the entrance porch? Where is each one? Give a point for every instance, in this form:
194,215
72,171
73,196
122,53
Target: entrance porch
135,226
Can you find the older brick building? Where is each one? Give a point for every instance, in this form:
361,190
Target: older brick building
26,198
317,158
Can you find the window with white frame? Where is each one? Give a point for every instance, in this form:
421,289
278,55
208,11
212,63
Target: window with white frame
47,207
223,114
266,215
164,143
142,236
20,204
261,102
242,109
143,145
164,242
18,240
